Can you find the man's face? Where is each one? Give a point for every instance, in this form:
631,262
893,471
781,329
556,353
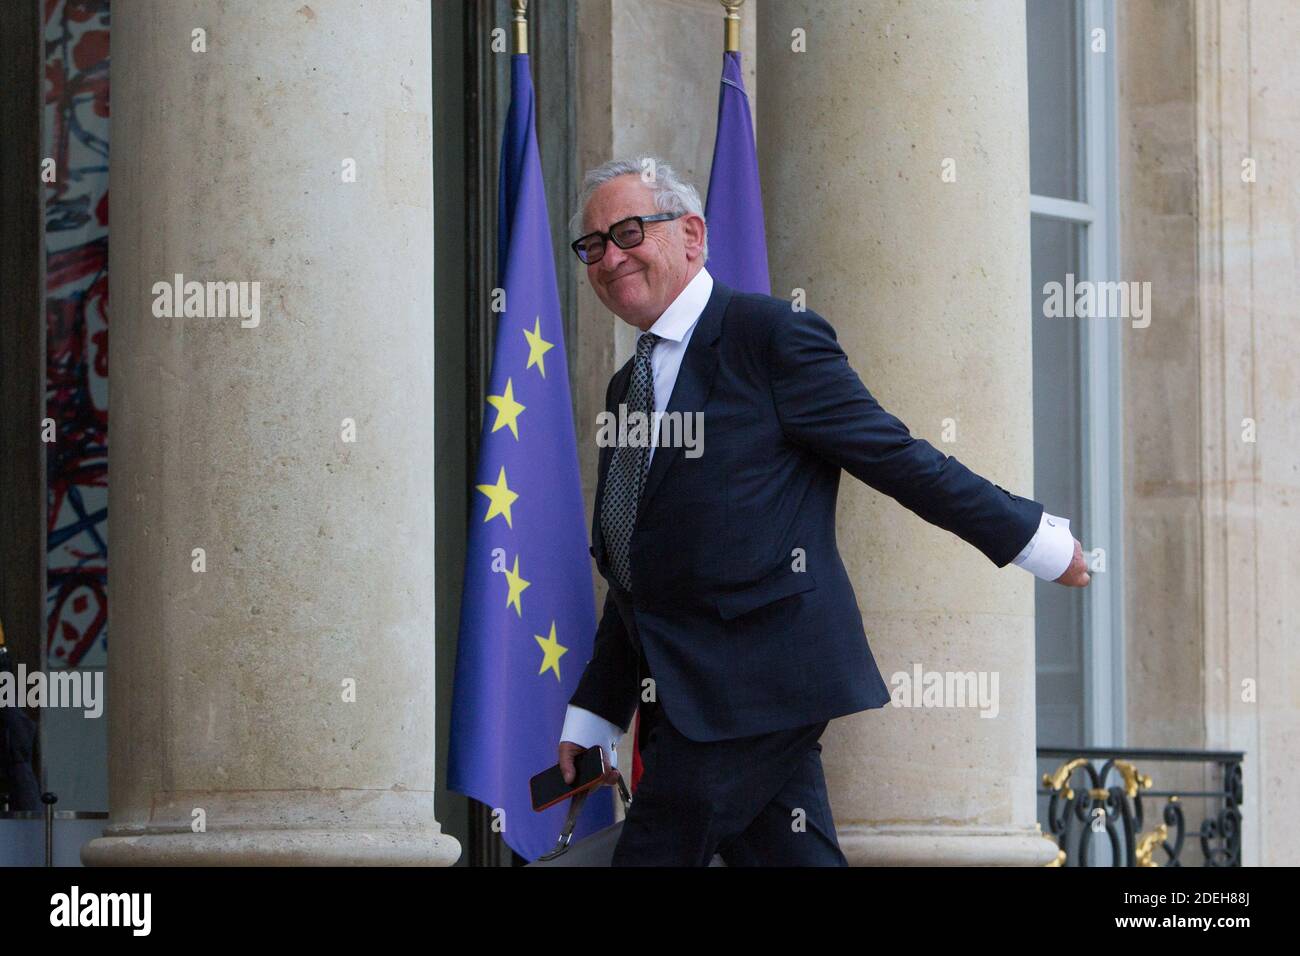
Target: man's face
638,284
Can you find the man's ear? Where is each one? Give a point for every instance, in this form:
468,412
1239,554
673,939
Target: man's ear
693,228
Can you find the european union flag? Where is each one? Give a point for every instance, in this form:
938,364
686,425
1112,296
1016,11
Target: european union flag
528,617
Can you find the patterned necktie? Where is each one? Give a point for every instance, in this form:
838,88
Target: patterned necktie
627,468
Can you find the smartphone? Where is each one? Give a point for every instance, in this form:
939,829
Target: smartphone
548,787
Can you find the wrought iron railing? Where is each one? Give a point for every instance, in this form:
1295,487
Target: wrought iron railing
1093,805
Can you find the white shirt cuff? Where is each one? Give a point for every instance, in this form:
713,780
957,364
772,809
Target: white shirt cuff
1051,549
586,729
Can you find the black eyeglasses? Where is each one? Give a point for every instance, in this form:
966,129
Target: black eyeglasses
626,233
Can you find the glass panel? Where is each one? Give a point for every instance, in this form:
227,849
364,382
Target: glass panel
1055,99
1057,249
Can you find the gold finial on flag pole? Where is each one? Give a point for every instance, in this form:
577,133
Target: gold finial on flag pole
521,25
731,25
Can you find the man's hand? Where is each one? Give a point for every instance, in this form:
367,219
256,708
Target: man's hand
1075,576
568,751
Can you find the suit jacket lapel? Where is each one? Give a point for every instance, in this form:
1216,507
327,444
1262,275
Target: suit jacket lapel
694,380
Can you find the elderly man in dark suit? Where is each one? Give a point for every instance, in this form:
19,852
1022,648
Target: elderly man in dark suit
727,598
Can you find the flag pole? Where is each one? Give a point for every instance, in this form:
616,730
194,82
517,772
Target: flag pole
731,25
521,25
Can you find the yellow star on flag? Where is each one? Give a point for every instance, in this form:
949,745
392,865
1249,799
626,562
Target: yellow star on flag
552,651
507,409
537,347
500,497
516,585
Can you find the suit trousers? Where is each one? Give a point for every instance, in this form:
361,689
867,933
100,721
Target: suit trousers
756,801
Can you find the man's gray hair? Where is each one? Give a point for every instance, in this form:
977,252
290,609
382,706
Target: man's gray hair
671,193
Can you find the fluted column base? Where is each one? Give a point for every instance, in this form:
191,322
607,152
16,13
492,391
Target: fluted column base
903,845
280,828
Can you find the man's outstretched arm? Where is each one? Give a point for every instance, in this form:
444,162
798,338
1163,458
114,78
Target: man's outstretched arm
824,407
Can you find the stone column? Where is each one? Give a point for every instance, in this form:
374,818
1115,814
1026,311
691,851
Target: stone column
927,284
275,690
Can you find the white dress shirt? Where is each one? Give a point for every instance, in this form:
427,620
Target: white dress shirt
1047,555
674,329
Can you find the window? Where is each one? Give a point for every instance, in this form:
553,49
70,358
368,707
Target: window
1077,429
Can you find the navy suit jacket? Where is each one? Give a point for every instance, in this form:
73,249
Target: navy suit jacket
740,641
